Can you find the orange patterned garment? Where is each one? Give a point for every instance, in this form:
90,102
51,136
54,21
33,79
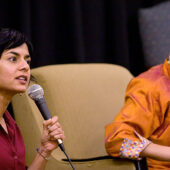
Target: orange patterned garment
146,112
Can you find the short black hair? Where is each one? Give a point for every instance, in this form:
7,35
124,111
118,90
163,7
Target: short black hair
11,38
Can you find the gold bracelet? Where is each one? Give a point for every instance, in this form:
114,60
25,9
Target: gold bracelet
46,158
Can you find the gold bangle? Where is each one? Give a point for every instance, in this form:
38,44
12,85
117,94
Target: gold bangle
46,158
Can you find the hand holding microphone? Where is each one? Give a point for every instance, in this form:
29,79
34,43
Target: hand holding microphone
51,126
52,132
36,93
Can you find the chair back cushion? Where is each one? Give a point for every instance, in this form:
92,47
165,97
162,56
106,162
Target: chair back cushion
85,97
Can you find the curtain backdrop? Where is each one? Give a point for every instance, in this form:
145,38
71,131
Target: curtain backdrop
79,31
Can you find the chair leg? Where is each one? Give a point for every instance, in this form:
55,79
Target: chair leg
141,164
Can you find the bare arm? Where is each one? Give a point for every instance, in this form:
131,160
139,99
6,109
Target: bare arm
158,152
39,162
51,131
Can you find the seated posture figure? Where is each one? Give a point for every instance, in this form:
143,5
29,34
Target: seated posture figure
141,129
15,58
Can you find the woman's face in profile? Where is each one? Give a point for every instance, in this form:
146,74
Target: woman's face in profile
15,69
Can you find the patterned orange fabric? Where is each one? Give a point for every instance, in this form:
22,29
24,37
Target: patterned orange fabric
132,149
146,111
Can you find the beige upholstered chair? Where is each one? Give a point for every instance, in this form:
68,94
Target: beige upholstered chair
85,97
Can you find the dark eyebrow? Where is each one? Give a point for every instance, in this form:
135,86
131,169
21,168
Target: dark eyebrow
13,53
17,54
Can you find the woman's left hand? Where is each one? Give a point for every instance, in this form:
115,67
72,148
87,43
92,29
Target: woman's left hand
51,132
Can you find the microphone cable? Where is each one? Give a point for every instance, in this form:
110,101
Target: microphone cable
69,160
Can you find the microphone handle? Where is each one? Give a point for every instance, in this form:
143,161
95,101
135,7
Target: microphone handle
42,106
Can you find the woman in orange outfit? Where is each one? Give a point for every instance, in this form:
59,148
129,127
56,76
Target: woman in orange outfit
141,129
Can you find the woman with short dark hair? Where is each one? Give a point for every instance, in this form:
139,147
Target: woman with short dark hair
15,57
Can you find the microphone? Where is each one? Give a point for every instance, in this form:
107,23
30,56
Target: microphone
36,93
